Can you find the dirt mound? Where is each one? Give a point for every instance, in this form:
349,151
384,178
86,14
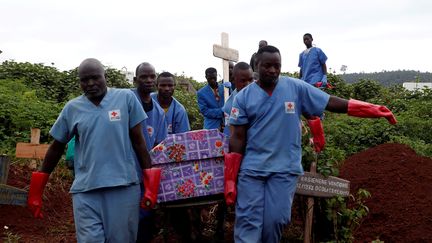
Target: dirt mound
57,224
400,182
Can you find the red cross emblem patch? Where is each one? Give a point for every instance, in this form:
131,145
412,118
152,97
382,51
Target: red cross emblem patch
114,115
234,113
289,107
150,131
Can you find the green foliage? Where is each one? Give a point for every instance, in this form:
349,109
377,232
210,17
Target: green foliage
48,82
10,237
116,79
340,88
20,110
365,90
189,101
347,219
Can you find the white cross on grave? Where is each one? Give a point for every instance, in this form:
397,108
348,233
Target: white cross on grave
227,54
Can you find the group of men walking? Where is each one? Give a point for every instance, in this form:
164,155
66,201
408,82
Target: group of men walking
115,128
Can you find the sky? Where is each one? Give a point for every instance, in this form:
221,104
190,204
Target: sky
178,35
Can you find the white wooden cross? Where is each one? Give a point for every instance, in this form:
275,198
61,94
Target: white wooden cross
227,54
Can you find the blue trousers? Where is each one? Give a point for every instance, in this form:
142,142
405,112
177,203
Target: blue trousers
263,207
107,214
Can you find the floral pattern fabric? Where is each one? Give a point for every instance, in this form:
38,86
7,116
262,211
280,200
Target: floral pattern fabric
192,164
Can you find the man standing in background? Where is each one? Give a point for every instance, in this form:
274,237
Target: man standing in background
312,64
211,100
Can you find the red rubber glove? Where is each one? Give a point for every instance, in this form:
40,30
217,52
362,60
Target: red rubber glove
317,132
152,179
34,200
363,109
231,169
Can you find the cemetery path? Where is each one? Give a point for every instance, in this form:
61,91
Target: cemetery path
400,182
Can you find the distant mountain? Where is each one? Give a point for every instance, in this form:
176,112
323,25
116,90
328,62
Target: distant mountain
388,78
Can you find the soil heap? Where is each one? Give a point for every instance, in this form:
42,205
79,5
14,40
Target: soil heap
400,182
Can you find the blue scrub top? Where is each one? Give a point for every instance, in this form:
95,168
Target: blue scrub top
154,127
227,110
274,133
209,107
104,154
310,62
176,117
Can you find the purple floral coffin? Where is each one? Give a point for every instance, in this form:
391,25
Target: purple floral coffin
192,164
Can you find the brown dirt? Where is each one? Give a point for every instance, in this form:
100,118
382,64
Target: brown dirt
57,224
400,182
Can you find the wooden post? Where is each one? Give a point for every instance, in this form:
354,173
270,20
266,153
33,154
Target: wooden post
310,207
34,139
227,54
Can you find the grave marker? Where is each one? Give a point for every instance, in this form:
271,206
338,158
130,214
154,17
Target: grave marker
227,54
32,150
316,185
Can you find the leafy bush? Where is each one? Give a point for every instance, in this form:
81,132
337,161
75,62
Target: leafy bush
20,110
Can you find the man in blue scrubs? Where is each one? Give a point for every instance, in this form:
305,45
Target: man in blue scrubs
154,127
266,144
175,113
106,124
154,130
242,76
312,64
211,100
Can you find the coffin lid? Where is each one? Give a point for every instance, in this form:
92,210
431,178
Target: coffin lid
192,145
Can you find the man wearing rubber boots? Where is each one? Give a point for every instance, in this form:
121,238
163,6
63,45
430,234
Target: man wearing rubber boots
265,145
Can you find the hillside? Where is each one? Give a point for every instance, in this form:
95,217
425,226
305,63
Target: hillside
388,78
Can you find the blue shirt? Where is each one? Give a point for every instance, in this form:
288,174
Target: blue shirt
104,155
209,107
227,110
274,134
176,117
310,62
154,127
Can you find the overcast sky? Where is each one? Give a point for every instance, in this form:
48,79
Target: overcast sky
178,35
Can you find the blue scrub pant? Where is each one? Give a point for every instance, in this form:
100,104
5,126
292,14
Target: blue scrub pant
263,207
107,214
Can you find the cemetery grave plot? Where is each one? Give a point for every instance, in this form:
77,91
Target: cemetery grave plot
400,182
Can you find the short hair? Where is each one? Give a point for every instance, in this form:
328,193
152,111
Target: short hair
241,66
166,75
270,49
210,70
142,64
308,34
